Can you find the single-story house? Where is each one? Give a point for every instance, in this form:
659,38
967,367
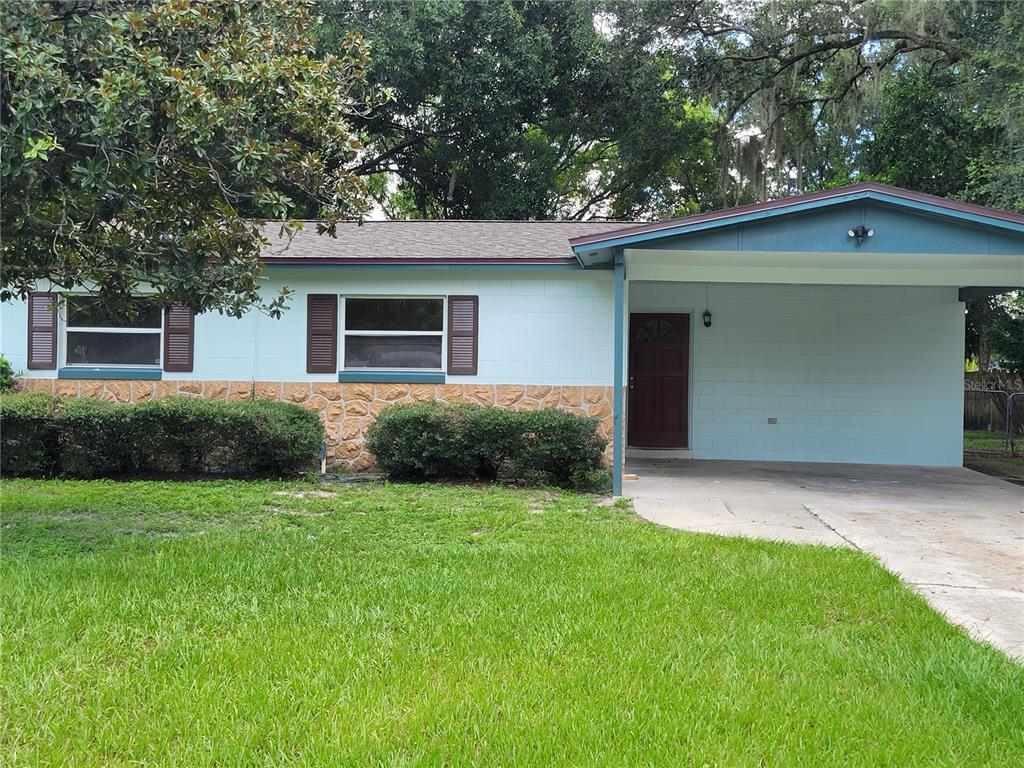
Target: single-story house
823,327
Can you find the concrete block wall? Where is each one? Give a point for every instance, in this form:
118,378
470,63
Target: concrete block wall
866,374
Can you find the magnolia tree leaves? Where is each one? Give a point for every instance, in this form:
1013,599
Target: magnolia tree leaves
143,142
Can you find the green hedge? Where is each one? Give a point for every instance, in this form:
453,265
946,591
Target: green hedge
27,434
179,435
426,441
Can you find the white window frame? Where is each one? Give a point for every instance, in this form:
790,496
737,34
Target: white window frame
443,333
64,327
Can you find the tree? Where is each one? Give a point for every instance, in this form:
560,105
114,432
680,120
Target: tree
523,109
995,85
791,79
925,137
142,142
527,109
1007,332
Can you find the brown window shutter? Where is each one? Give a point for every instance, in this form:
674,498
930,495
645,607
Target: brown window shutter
322,333
463,332
179,338
42,331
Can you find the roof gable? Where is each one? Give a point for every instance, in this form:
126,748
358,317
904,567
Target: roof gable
820,221
825,230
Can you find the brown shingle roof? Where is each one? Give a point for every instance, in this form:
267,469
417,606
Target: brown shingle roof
438,242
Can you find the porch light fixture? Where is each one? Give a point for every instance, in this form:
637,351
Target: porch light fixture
707,318
861,233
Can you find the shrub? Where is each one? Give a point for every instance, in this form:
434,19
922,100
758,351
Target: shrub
433,441
493,436
422,441
95,439
558,448
194,436
6,375
92,438
277,438
27,436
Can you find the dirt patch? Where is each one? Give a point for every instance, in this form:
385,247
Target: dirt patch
318,494
1009,468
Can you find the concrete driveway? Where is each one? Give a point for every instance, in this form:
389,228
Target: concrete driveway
955,535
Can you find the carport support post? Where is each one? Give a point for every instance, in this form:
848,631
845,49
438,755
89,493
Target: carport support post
620,321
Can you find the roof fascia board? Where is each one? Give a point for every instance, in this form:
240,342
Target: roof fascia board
948,212
569,264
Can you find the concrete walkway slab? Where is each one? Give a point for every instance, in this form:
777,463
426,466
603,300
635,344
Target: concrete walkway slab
955,535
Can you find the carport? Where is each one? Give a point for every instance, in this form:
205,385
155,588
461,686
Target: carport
956,536
826,327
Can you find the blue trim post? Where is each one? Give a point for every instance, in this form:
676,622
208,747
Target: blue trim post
620,322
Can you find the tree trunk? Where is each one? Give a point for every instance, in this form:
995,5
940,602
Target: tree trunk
984,356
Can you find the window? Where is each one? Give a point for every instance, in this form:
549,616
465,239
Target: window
95,338
658,330
393,333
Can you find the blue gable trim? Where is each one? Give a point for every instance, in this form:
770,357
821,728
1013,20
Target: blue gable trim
896,230
392,377
993,224
127,374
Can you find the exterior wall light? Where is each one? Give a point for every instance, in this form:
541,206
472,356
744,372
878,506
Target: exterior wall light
707,318
860,232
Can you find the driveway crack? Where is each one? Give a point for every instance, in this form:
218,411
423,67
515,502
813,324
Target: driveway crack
966,586
822,520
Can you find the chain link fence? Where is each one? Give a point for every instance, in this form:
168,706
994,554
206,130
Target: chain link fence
993,421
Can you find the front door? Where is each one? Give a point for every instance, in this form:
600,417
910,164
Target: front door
659,378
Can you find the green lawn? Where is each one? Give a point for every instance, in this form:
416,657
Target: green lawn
278,624
989,452
980,440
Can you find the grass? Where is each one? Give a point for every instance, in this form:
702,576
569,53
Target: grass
278,624
989,452
980,440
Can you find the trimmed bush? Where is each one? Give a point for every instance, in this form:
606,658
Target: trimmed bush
427,441
422,441
27,435
560,448
284,438
178,435
95,438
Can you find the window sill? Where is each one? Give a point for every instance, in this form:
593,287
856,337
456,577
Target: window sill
132,374
392,377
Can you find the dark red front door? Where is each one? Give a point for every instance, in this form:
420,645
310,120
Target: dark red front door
659,362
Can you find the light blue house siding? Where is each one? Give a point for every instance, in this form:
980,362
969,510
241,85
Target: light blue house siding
863,374
540,326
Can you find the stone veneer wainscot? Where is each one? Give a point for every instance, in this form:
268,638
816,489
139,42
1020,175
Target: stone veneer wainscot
347,409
